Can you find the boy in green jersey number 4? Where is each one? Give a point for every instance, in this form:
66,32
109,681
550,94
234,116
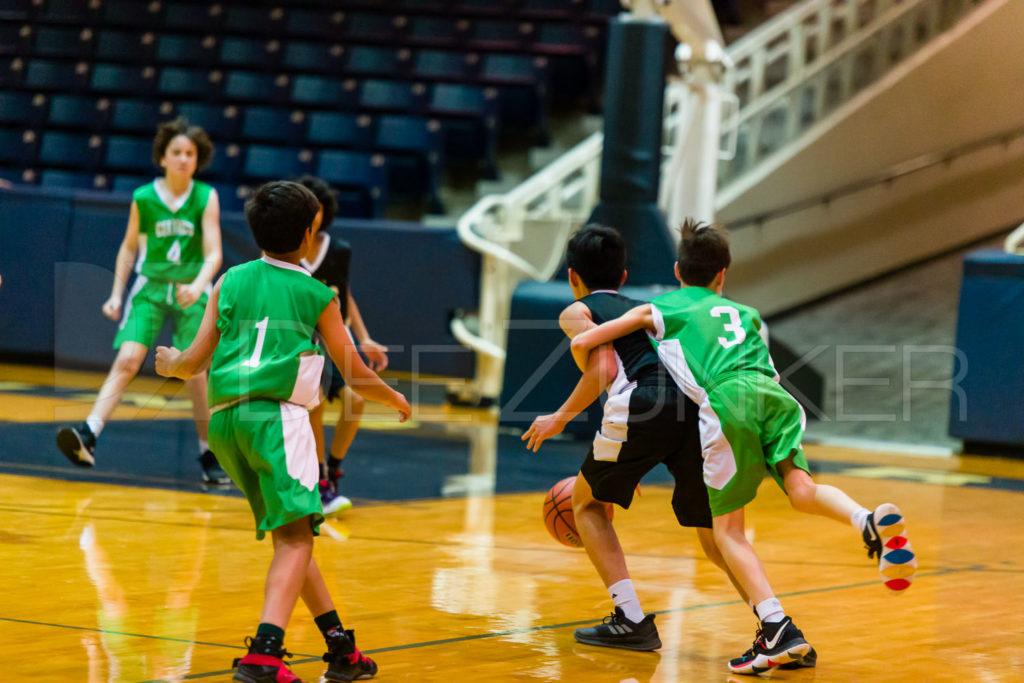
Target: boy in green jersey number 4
749,426
174,224
257,336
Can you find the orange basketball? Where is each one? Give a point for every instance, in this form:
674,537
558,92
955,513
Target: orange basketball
558,517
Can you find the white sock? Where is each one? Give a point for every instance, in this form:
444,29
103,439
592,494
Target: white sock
624,596
859,518
95,424
203,446
770,611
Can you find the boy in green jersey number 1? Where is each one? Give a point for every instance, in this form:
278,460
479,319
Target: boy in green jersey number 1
749,426
257,336
175,224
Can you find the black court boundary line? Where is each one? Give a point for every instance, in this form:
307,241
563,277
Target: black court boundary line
304,659
411,541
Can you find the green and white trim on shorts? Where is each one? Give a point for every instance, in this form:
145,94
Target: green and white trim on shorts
148,304
268,450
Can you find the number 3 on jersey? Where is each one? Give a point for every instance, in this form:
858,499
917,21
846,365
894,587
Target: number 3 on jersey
735,325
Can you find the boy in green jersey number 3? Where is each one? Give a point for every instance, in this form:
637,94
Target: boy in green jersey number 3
749,425
175,224
264,377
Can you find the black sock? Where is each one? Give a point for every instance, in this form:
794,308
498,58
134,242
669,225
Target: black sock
328,622
333,464
269,640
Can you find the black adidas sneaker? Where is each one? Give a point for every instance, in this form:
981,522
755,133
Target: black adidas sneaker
344,660
618,631
77,444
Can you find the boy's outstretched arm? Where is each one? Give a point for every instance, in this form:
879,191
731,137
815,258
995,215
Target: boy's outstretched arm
170,362
362,379
601,370
598,372
639,318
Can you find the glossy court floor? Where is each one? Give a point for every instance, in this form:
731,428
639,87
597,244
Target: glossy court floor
130,572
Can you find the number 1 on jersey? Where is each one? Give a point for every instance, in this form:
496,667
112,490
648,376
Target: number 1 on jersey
735,325
261,326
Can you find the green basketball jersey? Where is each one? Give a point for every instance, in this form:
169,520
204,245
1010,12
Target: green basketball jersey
267,312
703,337
174,239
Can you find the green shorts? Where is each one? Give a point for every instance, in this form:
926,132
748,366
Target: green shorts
149,303
268,450
748,424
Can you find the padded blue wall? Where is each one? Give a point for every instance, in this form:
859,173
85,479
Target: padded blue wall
989,368
57,252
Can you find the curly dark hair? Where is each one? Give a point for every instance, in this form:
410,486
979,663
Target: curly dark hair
279,213
169,130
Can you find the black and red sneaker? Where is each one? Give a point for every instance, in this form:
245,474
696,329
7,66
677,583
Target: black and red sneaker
264,663
344,660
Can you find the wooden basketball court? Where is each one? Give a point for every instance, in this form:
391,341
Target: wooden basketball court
102,582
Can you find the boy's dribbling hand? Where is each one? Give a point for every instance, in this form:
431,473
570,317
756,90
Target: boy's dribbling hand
112,308
166,359
543,428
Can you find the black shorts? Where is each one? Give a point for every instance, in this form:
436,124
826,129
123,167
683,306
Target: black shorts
331,382
643,427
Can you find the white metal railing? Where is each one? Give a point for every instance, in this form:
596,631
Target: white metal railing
795,70
504,228
788,74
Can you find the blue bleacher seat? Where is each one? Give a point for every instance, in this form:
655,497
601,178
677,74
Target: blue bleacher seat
312,23
15,39
469,117
493,34
131,13
232,196
367,26
121,46
393,96
322,91
21,109
377,61
139,116
552,9
273,124
62,41
17,146
437,31
186,49
193,83
413,146
252,86
220,122
193,16
129,155
361,181
249,20
56,76
75,180
122,79
308,56
269,163
338,129
250,52
562,38
226,163
15,10
69,150
78,12
78,111
446,65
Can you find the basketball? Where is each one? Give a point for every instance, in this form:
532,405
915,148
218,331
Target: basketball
558,517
